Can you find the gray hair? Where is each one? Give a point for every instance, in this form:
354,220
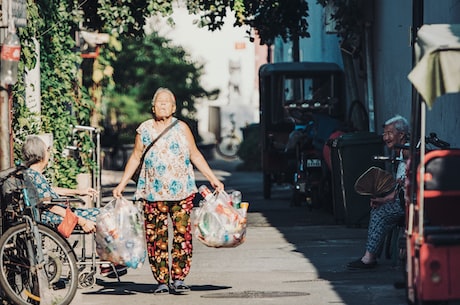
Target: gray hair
400,123
163,90
33,150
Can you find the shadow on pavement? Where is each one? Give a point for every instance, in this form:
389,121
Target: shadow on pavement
316,235
129,288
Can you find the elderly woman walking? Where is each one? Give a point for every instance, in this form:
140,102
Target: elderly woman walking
166,186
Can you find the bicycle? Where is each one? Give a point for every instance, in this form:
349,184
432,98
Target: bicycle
38,265
229,144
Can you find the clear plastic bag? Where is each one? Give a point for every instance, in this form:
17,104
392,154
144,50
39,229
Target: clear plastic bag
218,224
120,236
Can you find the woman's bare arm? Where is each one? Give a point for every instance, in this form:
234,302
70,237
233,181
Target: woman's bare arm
199,161
131,166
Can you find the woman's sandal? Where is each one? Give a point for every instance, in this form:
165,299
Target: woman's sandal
162,288
179,286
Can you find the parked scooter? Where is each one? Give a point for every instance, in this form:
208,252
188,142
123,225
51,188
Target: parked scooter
310,184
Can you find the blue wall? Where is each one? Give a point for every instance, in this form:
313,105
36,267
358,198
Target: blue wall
320,47
391,60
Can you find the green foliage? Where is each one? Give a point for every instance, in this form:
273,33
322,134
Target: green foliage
350,20
63,105
123,16
269,18
145,64
284,19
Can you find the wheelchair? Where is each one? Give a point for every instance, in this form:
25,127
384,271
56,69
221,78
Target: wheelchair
19,202
37,263
83,244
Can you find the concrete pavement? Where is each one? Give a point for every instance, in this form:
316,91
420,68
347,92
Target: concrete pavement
291,256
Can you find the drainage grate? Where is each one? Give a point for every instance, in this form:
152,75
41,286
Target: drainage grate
255,294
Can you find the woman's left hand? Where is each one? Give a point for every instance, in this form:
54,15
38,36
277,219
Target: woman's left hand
217,185
87,225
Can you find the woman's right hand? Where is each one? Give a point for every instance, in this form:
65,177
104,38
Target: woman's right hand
117,192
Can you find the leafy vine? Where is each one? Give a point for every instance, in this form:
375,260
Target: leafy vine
63,104
349,16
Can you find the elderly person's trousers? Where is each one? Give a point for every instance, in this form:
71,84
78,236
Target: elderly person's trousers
156,230
382,220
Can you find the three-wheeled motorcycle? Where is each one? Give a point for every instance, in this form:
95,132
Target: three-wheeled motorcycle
301,104
433,192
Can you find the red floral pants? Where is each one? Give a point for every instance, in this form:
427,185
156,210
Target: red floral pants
156,229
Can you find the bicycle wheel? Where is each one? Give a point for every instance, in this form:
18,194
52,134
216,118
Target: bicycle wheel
20,283
228,146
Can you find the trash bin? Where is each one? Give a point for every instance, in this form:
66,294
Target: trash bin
351,155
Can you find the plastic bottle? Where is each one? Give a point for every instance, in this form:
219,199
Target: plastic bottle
205,192
243,208
236,199
11,52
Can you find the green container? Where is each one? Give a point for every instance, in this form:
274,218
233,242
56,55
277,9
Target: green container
351,155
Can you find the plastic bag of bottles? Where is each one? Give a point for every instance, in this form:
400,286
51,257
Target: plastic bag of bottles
120,236
218,224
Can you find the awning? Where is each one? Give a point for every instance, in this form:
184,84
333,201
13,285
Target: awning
438,54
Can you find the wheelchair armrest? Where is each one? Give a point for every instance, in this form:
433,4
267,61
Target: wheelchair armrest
67,200
61,200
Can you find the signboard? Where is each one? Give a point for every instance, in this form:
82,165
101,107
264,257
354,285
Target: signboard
17,9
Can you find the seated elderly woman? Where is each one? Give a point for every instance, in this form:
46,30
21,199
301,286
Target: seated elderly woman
386,211
36,154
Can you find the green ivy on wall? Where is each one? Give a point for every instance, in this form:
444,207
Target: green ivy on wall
64,104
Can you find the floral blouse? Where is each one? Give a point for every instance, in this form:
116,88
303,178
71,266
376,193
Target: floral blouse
42,185
167,173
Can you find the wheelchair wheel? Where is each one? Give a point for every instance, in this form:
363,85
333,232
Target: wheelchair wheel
86,279
20,283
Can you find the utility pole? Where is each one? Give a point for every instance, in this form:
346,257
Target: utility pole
5,120
16,17
5,142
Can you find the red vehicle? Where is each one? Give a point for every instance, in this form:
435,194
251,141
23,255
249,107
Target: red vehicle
433,192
